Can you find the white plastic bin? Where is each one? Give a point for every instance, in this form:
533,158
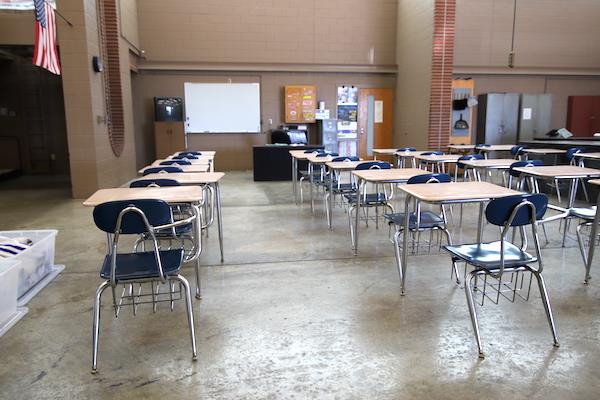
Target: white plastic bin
37,261
9,276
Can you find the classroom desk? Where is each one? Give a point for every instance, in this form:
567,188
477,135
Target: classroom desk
297,155
494,147
208,157
448,193
544,152
384,152
202,160
570,172
336,168
439,161
551,172
461,148
203,153
209,179
489,164
192,195
185,168
593,233
379,176
312,161
402,156
581,157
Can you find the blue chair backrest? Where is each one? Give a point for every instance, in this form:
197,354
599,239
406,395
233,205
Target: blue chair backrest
156,170
482,145
524,163
406,149
140,183
433,153
347,158
190,153
468,157
498,211
175,162
516,150
429,178
314,151
373,165
157,213
186,156
572,151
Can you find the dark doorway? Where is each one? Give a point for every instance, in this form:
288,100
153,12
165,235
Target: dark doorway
33,136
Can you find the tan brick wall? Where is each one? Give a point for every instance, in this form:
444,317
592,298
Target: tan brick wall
93,163
358,32
234,151
549,33
414,41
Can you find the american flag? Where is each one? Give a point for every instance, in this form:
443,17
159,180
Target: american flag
45,54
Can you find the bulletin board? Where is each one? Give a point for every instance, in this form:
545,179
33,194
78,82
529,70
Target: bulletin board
462,113
300,104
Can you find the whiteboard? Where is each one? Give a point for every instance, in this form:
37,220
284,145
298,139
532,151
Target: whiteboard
222,107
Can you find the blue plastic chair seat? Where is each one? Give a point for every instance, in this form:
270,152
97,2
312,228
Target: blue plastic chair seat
371,198
429,220
143,265
487,255
342,188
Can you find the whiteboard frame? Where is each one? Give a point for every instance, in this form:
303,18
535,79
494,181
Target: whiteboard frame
187,87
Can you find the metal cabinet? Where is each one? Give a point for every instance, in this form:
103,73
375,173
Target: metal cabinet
497,118
534,118
329,134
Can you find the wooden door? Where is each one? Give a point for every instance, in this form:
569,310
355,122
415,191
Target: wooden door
583,115
375,120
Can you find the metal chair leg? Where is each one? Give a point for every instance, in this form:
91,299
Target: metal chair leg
582,249
96,325
585,192
397,245
454,267
546,302
300,182
198,284
545,233
326,201
351,223
190,311
472,311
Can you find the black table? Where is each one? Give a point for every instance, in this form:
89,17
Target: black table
273,162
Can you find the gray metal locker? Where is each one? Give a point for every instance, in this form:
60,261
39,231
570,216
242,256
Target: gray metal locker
497,118
534,120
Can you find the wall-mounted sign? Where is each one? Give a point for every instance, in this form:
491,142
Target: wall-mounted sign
300,104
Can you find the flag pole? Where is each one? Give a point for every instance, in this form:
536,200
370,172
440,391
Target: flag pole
61,16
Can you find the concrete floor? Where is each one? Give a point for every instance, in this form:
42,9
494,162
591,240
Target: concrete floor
292,314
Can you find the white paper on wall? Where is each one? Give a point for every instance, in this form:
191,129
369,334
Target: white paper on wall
378,111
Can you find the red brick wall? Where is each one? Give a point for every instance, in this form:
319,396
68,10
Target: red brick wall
441,73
